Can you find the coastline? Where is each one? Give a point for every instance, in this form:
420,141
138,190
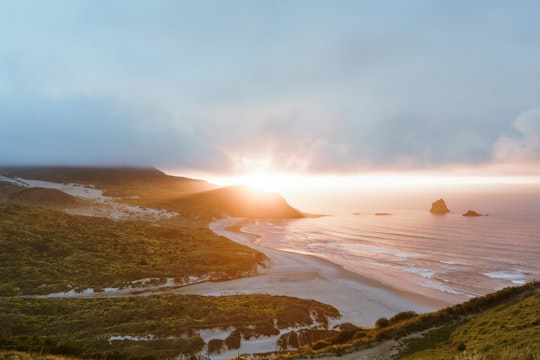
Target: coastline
359,299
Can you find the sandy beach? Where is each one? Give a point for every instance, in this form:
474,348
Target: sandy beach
360,300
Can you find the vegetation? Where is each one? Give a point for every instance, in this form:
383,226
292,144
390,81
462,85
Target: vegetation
167,323
507,331
44,251
502,325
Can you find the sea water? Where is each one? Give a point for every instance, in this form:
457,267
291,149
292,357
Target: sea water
414,250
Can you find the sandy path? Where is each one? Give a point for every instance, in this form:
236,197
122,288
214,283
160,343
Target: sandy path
360,300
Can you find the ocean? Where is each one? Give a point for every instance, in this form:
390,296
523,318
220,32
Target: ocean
414,250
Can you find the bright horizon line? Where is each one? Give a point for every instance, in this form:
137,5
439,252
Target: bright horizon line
280,181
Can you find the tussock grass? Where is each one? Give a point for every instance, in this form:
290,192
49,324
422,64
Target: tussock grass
501,325
508,330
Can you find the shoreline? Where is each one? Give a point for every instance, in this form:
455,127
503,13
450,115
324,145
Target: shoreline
360,300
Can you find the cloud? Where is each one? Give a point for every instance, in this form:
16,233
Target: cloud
296,86
83,130
524,145
306,134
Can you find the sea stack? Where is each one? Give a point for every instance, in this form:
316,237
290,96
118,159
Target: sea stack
439,207
472,213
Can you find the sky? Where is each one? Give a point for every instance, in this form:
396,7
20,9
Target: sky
297,86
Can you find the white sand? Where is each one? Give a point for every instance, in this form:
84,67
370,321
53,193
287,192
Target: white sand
104,206
360,300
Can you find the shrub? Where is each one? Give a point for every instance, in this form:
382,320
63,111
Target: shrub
382,322
233,341
402,316
215,346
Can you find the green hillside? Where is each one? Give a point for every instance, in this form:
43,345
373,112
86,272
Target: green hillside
501,325
508,331
45,251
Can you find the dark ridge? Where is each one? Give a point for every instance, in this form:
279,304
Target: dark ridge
153,188
116,181
243,201
66,174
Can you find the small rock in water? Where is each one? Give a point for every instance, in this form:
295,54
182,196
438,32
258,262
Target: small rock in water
472,213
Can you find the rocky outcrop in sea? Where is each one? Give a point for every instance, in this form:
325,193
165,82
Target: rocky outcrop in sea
439,207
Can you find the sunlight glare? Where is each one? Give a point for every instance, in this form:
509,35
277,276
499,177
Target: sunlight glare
276,182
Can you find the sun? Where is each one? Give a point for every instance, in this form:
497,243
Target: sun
261,180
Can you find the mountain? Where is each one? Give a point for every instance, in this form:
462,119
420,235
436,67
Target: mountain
115,181
152,188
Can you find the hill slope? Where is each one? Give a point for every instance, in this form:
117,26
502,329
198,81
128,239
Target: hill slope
46,251
116,181
49,198
508,331
501,325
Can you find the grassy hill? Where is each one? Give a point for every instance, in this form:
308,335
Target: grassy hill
146,184
170,324
501,325
44,251
510,330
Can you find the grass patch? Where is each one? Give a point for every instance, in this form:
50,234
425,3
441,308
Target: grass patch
45,251
430,340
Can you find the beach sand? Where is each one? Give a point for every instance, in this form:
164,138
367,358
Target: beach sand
360,300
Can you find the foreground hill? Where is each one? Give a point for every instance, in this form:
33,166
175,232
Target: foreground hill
153,327
501,325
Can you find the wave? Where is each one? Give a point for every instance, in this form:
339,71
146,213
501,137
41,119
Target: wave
449,254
